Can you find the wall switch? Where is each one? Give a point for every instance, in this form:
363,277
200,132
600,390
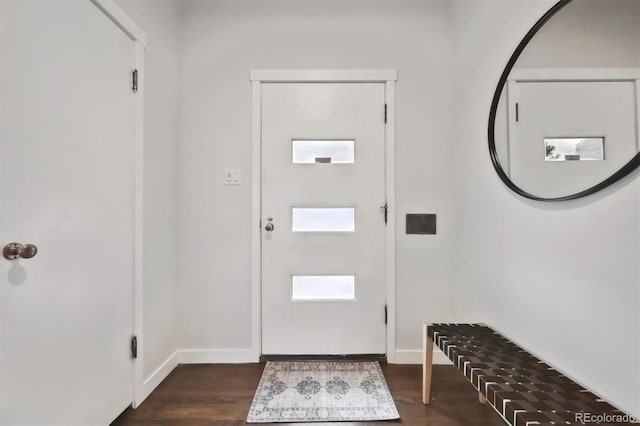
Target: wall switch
232,176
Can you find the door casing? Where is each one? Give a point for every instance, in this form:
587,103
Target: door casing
139,42
257,77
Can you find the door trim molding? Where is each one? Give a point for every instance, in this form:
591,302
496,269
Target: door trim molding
257,77
322,76
574,74
390,182
119,17
140,388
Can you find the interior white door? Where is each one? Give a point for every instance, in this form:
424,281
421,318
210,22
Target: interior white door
66,185
564,110
323,245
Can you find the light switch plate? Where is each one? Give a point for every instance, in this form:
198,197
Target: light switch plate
232,176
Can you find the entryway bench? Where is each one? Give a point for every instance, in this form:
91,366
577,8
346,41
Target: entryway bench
521,388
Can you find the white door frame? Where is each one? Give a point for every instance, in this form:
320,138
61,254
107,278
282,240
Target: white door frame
139,42
257,77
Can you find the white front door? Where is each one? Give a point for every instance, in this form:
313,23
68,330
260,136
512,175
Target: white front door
66,185
323,231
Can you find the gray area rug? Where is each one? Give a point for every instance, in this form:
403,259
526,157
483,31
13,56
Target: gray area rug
322,391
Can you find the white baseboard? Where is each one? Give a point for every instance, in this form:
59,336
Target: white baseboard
155,378
215,356
414,356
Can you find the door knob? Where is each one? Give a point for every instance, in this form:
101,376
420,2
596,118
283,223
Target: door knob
13,251
269,226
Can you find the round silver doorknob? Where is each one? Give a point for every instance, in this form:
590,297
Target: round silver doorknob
13,251
269,227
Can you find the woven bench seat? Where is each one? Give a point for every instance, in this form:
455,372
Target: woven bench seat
520,387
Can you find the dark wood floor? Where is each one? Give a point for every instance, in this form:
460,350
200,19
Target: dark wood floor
221,395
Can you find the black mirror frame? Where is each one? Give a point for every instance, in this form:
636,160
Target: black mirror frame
624,171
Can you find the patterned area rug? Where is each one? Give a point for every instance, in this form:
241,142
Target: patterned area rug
322,391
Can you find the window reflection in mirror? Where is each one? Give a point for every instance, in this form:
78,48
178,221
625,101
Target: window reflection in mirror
574,149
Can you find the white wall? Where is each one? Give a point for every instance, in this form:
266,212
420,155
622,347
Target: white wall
158,18
560,279
221,42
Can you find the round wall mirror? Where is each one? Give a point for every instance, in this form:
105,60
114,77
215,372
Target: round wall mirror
565,116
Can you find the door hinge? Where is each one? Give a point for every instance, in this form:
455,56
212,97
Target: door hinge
134,347
517,112
134,83
385,210
385,113
386,315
